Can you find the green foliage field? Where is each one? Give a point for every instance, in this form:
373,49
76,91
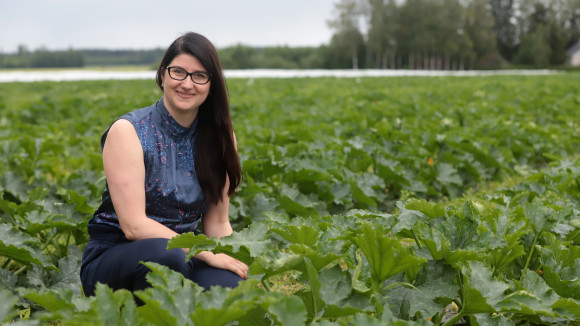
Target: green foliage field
365,201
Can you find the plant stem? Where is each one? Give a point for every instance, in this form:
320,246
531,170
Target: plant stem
455,318
20,270
49,241
67,241
532,250
405,284
416,239
8,260
315,317
266,285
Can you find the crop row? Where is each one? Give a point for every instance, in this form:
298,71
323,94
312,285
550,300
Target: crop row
511,256
343,166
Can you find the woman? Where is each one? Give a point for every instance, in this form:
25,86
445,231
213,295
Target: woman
168,167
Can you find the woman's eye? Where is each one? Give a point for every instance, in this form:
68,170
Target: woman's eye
179,71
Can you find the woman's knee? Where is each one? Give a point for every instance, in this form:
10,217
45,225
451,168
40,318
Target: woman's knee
158,253
207,276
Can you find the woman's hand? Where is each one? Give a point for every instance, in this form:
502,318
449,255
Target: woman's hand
224,261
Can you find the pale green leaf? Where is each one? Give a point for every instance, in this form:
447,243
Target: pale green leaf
433,285
448,175
567,308
303,234
490,320
386,256
115,308
7,308
289,311
195,243
175,294
481,292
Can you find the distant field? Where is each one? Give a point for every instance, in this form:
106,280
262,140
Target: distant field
357,194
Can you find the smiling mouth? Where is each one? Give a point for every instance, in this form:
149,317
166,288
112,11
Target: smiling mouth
185,95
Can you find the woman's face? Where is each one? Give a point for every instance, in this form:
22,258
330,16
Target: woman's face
183,97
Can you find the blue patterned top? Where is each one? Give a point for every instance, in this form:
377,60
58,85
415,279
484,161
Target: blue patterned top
173,196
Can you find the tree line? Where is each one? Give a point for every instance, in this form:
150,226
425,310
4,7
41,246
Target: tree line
387,34
454,34
41,58
238,56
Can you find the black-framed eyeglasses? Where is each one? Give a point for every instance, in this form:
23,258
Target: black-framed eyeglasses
198,77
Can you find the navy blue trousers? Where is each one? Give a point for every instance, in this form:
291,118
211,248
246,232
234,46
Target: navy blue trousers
113,260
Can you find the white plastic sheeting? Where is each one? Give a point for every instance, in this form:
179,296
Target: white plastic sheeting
86,74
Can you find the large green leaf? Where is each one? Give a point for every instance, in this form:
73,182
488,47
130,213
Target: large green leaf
335,285
490,320
195,243
539,216
538,287
61,303
7,279
289,311
297,203
115,308
433,288
432,210
457,237
407,218
7,308
366,189
171,292
303,234
253,238
66,276
14,244
320,256
277,263
481,292
567,287
12,183
222,306
567,308
447,175
386,256
535,299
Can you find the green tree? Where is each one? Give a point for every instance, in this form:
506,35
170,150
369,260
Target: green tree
43,58
541,28
505,27
415,40
239,57
454,44
534,49
347,39
23,50
571,20
479,28
436,36
382,17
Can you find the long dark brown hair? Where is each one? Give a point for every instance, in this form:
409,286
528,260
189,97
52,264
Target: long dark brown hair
215,152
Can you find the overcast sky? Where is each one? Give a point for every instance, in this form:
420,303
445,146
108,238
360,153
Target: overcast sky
145,24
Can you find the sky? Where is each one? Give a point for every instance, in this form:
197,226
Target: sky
147,24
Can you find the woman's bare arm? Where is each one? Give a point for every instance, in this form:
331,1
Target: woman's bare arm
125,173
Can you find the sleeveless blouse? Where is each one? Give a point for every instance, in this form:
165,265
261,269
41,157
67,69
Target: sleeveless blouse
173,196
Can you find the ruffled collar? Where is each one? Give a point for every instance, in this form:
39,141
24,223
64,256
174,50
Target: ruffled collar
169,124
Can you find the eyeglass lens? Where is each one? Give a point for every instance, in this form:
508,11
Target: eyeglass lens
197,77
